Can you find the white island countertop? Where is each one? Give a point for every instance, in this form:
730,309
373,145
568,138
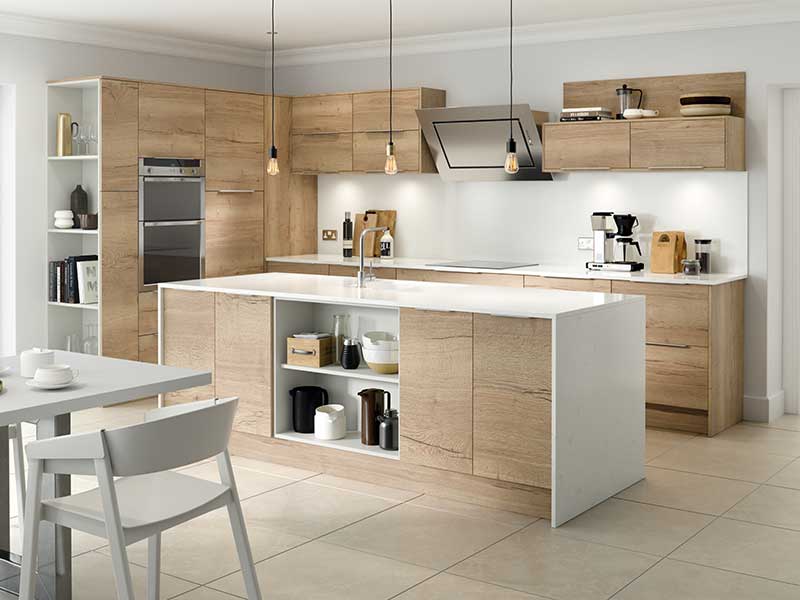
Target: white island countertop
542,270
500,301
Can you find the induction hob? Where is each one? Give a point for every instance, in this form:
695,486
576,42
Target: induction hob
497,265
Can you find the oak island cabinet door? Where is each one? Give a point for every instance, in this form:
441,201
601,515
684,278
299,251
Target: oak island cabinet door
513,400
243,359
436,389
188,329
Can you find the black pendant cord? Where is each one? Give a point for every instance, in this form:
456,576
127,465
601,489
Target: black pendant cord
272,70
511,69
391,74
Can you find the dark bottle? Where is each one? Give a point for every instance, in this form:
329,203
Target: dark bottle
347,236
351,357
79,204
389,431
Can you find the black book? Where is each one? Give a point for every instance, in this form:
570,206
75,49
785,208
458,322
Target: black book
52,281
72,276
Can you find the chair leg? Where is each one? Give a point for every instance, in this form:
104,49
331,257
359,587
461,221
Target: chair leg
154,567
243,549
122,570
30,545
19,472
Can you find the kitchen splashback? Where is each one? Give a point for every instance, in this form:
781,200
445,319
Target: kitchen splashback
523,221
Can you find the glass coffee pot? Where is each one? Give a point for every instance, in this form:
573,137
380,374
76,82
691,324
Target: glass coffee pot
625,97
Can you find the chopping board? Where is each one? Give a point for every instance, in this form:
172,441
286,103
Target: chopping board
372,218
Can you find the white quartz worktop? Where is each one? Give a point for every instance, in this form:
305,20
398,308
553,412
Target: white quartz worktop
543,270
503,301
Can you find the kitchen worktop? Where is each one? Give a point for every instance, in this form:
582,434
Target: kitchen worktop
511,302
543,270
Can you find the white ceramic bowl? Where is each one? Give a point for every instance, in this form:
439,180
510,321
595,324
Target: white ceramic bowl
55,374
382,361
380,340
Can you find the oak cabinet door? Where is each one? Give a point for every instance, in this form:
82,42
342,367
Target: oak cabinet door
303,268
120,131
243,359
234,141
371,110
322,153
436,389
369,151
496,279
119,249
679,144
330,113
234,233
587,146
189,329
677,376
513,400
568,284
171,121
148,348
148,313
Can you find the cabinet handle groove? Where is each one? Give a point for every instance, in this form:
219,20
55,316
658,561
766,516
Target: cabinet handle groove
666,345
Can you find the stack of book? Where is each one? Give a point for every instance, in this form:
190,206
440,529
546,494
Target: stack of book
73,280
591,113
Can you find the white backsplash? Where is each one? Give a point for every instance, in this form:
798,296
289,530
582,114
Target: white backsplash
541,221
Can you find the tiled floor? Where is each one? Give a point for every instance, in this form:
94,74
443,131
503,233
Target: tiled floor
715,519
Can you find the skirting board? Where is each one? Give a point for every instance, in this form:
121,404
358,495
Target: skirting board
764,408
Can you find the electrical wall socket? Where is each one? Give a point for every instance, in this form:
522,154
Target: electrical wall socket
329,235
585,243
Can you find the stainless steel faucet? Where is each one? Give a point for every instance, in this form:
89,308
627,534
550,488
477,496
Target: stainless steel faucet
362,276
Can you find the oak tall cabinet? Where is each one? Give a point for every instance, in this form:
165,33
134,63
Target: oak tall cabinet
171,121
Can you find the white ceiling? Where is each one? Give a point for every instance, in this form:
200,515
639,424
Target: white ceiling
312,23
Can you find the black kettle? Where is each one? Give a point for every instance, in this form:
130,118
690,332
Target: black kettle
306,399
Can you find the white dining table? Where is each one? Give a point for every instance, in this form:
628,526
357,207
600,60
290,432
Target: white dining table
101,382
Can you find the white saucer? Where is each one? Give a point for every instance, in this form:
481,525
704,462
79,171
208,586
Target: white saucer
49,386
5,371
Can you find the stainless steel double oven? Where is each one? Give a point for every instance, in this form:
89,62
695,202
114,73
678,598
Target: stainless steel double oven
172,226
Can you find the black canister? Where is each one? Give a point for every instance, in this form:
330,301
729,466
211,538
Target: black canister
351,355
78,204
389,432
306,399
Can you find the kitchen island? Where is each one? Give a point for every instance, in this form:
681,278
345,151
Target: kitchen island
524,399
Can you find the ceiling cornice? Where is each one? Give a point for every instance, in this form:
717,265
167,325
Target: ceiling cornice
759,13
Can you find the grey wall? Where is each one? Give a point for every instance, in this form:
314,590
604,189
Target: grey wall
766,53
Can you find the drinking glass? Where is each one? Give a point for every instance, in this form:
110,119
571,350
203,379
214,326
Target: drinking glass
92,137
90,343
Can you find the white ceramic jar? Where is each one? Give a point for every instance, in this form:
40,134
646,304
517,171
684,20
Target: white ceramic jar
330,422
30,360
63,219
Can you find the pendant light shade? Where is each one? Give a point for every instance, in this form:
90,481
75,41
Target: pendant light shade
390,168
272,164
512,162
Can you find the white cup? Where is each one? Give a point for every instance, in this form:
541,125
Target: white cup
55,374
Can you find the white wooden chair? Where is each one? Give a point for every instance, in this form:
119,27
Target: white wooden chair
148,497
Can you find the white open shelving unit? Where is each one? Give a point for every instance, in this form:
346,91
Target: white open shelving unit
343,385
80,98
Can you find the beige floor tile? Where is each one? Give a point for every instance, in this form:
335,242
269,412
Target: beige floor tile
672,580
93,579
272,468
658,441
248,481
448,587
472,510
687,491
421,536
789,422
709,456
746,548
310,510
763,439
326,572
788,477
635,526
81,542
538,561
204,593
203,549
770,505
379,491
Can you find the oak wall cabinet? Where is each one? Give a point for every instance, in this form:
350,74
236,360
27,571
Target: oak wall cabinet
171,121
587,146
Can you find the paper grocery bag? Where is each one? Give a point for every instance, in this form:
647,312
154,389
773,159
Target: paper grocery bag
667,250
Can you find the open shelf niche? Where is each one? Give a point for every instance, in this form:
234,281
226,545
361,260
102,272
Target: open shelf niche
81,99
292,317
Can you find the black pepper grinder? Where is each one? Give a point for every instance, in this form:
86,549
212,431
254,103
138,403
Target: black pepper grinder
351,356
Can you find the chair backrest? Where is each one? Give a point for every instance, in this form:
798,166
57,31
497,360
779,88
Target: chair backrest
174,438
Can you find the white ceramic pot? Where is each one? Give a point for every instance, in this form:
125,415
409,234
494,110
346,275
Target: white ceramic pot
330,422
30,360
64,219
55,374
386,362
380,340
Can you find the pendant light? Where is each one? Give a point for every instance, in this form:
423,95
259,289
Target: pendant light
512,163
391,161
272,165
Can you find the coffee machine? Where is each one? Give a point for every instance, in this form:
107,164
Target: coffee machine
610,229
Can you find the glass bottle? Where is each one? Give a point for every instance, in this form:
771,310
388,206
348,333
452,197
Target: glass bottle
341,330
90,343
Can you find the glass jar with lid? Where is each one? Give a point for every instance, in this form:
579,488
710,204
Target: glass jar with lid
702,252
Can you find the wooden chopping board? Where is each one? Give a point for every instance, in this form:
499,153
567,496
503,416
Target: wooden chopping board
372,218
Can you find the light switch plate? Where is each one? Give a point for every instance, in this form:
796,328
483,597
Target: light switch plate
585,243
329,235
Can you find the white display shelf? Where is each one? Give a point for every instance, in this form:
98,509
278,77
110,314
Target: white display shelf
77,157
69,305
351,443
363,372
74,231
